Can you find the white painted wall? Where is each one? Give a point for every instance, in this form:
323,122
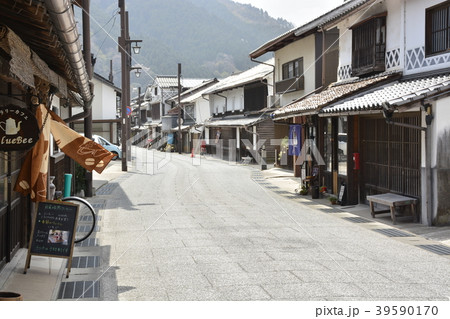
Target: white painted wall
394,33
303,48
202,111
234,101
395,30
415,37
440,124
104,102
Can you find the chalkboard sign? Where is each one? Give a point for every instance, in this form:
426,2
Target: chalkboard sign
53,231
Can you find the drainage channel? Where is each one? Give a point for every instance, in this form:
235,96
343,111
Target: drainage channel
107,189
437,249
358,220
390,232
79,290
395,233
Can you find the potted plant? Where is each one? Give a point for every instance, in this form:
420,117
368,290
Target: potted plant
304,190
323,189
333,200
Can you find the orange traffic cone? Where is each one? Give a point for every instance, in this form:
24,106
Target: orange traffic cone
192,152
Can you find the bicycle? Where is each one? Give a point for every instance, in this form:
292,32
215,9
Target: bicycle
86,217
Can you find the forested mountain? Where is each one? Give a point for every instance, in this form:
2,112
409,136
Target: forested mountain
210,38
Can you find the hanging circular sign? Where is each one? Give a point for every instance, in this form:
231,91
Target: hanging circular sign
128,110
19,129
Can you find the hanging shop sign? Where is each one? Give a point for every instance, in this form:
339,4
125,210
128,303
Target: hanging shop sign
19,129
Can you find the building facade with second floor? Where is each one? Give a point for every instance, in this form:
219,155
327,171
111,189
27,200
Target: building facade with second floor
389,137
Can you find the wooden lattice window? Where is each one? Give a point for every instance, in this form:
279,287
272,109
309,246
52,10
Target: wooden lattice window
369,46
391,156
437,31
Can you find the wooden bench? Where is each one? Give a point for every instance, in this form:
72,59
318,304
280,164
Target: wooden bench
393,201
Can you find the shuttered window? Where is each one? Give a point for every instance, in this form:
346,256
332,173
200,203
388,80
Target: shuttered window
438,29
369,46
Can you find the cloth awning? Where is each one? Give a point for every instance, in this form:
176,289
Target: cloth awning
32,179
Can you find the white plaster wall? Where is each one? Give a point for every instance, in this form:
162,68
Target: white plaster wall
97,107
393,26
270,84
217,104
415,22
303,48
441,123
104,102
415,38
108,103
202,110
234,101
345,43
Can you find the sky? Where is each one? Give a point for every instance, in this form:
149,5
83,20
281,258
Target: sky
297,12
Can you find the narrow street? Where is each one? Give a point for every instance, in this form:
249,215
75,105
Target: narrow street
217,231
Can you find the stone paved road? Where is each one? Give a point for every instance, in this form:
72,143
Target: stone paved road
214,232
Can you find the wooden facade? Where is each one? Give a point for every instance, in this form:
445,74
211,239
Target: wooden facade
14,219
37,68
265,131
390,156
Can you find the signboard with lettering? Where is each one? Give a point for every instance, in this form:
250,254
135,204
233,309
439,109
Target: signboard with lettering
53,232
19,129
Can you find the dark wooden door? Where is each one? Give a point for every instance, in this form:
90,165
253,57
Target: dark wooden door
390,156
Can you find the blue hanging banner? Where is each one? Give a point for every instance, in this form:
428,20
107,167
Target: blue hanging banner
170,138
295,140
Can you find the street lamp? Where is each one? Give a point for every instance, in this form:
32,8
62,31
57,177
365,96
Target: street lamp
138,71
136,47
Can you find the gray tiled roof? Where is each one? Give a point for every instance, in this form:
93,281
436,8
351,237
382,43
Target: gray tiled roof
257,73
171,81
396,93
234,121
314,102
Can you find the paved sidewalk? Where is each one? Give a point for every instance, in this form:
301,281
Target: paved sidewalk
45,275
43,278
284,179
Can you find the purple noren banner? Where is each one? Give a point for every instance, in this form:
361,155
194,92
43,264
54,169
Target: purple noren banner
295,139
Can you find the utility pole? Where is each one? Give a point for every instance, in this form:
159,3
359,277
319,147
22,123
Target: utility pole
123,49
179,109
111,76
88,60
125,52
139,106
